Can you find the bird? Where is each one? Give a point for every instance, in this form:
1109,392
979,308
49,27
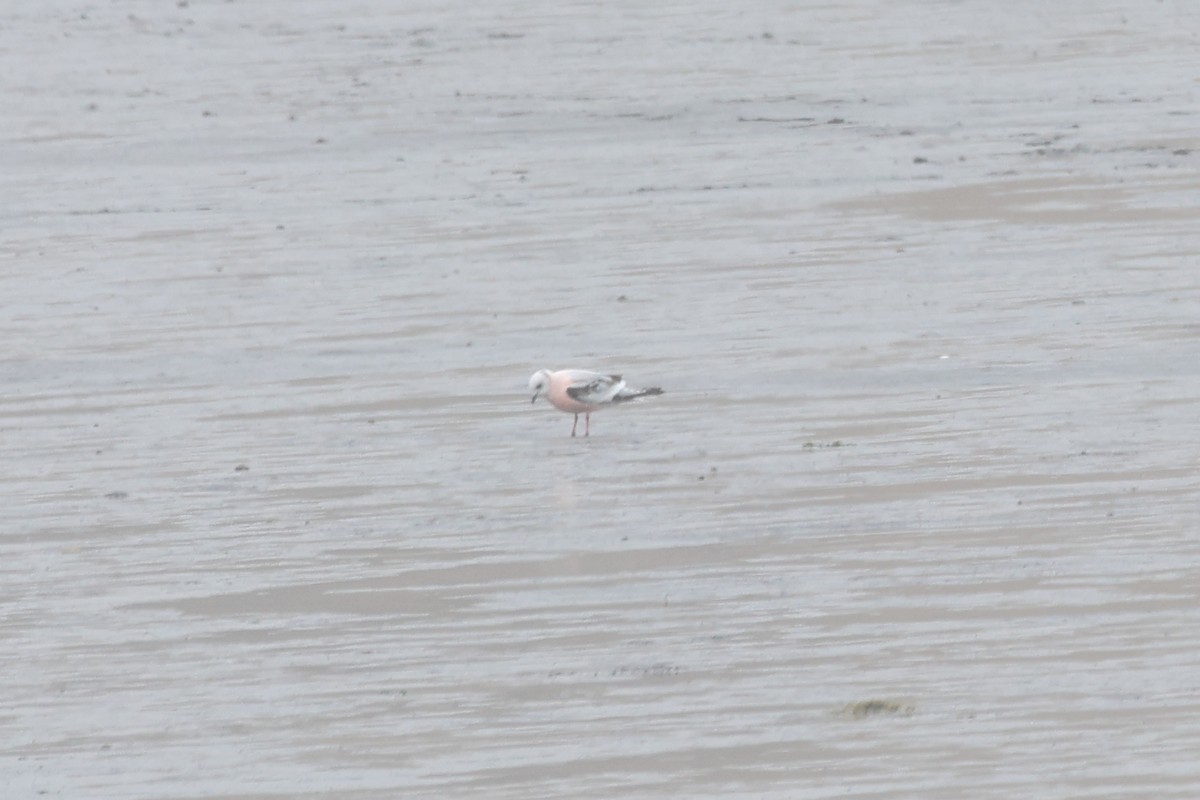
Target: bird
580,391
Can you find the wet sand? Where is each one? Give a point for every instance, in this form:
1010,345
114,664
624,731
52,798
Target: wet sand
917,517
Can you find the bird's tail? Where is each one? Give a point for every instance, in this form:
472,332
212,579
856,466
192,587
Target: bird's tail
634,394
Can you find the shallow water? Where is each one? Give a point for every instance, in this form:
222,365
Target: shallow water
918,515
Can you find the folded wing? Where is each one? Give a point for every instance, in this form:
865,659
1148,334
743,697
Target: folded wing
595,389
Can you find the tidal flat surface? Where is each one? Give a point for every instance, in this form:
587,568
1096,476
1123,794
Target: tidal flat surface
918,515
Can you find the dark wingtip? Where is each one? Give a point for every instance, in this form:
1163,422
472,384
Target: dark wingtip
634,394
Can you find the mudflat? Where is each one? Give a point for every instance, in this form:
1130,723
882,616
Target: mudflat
917,516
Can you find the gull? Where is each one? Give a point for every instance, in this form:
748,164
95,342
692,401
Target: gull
578,391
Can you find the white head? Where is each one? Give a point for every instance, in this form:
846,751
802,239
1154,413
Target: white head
539,384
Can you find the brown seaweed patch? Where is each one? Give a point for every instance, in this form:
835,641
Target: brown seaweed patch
877,708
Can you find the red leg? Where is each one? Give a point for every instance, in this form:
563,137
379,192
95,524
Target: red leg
574,424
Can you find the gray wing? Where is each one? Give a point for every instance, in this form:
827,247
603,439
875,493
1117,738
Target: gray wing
597,389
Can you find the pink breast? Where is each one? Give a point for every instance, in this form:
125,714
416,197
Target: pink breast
559,398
